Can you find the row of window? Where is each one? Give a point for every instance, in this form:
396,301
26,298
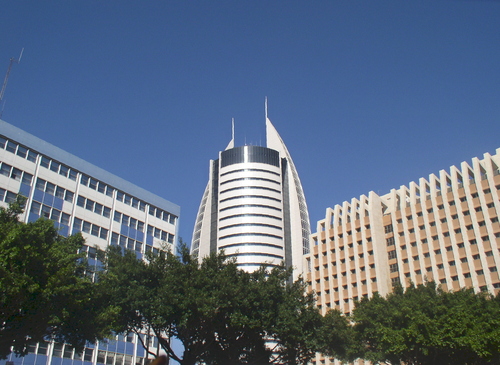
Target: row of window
15,173
250,225
128,243
59,168
160,234
87,227
252,170
7,196
54,214
250,179
130,200
129,221
161,214
18,149
54,190
250,215
96,185
241,206
93,206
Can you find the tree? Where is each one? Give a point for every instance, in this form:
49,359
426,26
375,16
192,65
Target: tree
425,325
221,314
43,289
336,337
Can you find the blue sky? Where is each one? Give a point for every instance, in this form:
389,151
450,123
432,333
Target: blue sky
367,95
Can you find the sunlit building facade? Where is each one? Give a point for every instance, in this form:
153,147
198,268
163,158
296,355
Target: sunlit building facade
107,210
444,228
254,207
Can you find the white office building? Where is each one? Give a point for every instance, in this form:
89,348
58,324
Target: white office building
253,207
80,197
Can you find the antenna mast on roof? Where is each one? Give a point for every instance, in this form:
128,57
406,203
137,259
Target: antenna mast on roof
6,79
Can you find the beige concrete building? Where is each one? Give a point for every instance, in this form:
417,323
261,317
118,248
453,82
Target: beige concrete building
445,228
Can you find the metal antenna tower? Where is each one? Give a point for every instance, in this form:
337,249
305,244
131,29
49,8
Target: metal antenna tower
6,79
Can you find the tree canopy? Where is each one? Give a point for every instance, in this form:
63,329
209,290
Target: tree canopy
221,314
426,325
44,292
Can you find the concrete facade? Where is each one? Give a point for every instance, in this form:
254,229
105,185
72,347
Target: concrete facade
444,228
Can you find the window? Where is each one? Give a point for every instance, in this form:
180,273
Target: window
463,259
390,241
393,267
493,269
467,275
392,254
466,212
476,257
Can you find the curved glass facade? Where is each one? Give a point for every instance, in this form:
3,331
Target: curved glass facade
250,154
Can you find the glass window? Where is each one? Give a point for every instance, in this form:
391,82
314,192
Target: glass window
86,227
109,191
163,236
50,188
117,217
125,219
56,214
95,230
60,192
16,174
89,205
54,166
11,146
140,226
104,233
80,201
84,180
106,212
22,151
3,141
119,196
65,219
45,211
93,184
45,162
5,169
35,207
142,206
128,199
64,170
32,156
101,187
135,203
69,196
27,178
133,223
77,224
98,208
72,174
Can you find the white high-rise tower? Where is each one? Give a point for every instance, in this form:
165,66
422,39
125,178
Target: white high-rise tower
253,207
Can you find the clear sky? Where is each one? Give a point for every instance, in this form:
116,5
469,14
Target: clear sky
367,95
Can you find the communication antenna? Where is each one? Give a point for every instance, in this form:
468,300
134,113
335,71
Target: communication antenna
6,79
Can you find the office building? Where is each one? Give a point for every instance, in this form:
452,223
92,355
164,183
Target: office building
445,229
80,197
253,207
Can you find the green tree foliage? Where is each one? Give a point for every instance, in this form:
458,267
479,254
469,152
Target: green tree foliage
426,325
336,337
43,290
222,315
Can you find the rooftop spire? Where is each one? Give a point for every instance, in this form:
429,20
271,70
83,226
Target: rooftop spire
265,107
